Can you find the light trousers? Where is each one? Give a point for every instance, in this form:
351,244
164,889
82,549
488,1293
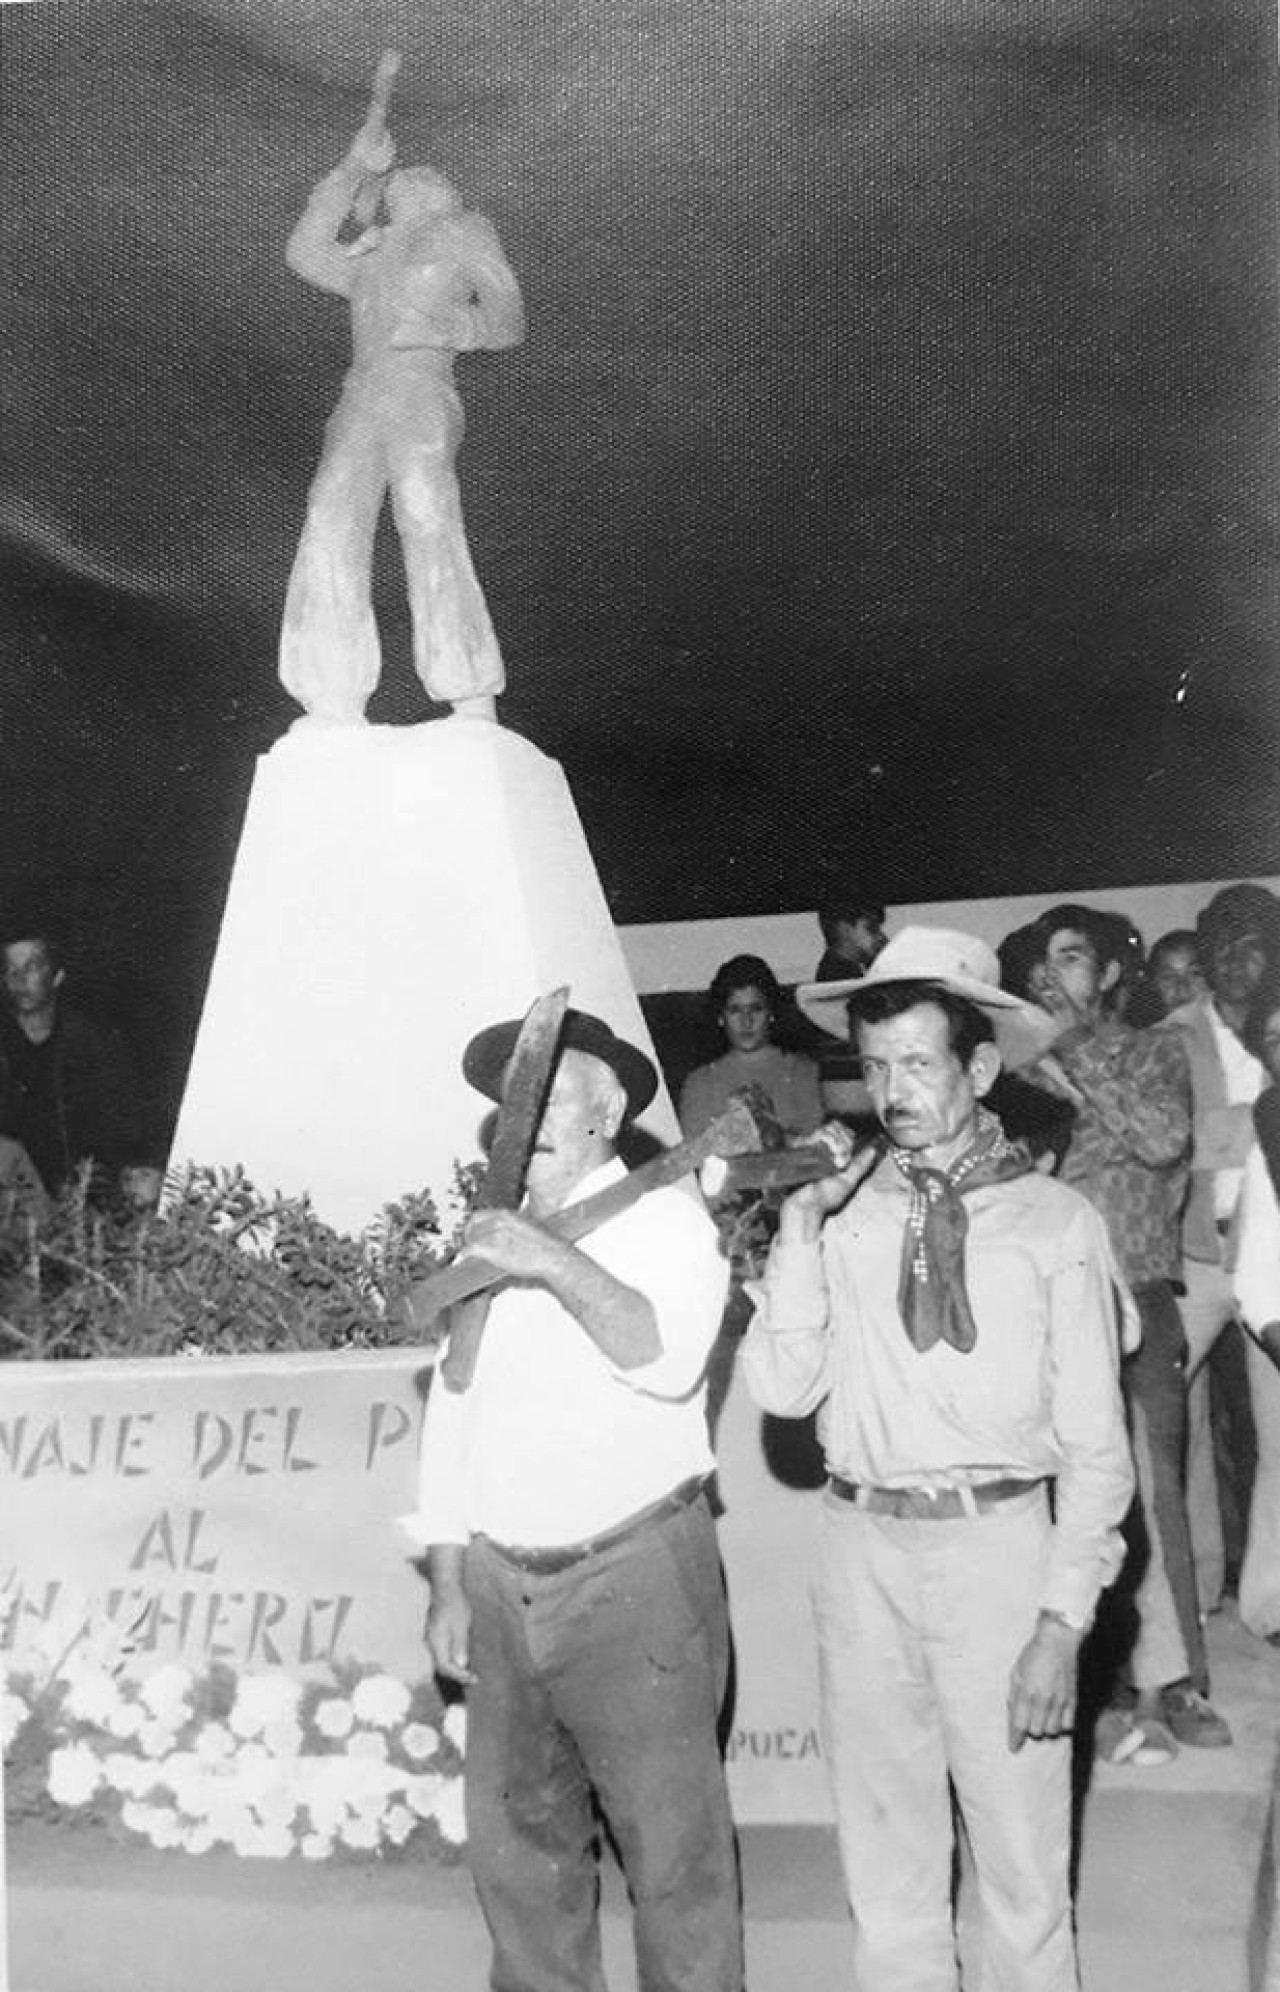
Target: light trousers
919,1625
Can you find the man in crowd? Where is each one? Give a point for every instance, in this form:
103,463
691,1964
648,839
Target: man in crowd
66,1090
1237,934
950,1309
1127,1154
575,1580
853,934
1173,970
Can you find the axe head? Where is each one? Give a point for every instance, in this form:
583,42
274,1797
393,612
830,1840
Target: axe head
736,1131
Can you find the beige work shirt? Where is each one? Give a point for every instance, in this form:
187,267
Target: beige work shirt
1038,1396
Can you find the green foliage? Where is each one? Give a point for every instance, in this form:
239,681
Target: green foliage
221,1269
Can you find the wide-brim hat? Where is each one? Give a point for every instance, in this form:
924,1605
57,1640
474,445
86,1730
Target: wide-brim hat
959,963
485,1060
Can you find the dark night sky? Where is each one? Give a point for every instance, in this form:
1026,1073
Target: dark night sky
888,478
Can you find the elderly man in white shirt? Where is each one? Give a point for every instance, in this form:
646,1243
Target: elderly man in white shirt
576,1587
951,1313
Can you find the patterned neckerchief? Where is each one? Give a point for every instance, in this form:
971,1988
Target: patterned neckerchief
932,1298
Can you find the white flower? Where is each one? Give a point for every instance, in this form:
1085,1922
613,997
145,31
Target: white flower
454,1724
263,1698
451,1814
165,1691
398,1824
125,1772
92,1696
196,1786
326,1810
334,1717
368,1743
155,1739
359,1832
136,1816
381,1700
422,1793
214,1742
419,1741
164,1828
13,1713
276,1809
125,1719
228,1819
257,1773
283,1739
315,1846
74,1774
198,1838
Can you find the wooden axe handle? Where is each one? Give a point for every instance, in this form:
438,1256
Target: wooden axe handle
467,1276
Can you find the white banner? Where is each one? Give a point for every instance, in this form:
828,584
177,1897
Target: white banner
243,1511
237,1510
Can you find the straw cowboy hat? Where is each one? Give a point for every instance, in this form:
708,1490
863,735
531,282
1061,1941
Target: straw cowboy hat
957,962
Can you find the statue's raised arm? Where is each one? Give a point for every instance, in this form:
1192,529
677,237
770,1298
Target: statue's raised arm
351,191
426,279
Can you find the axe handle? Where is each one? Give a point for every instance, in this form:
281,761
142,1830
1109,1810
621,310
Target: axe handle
467,1276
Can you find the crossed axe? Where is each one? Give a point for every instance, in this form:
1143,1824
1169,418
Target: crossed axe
728,1153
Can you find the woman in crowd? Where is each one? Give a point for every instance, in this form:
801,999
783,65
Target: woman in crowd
745,1000
782,1089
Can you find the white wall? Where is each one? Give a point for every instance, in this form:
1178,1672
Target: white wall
686,954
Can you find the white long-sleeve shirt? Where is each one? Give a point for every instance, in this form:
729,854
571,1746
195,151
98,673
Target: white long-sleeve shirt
1257,1246
1037,1396
552,1443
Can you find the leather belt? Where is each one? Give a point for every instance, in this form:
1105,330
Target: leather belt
547,1562
929,1504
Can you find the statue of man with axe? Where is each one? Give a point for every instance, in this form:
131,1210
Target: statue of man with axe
575,1580
426,279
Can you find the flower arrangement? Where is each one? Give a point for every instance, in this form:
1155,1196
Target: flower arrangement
354,1763
219,1269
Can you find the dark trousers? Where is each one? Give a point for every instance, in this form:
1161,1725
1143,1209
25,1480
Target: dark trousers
1156,1378
603,1681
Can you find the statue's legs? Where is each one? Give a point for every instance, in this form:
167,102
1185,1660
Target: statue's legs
455,651
329,652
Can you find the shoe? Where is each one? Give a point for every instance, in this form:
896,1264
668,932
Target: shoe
1120,1738
1193,1720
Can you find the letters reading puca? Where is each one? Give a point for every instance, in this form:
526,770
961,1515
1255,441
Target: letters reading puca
425,279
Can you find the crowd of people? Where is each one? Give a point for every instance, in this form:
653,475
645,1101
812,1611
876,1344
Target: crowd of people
1056,1208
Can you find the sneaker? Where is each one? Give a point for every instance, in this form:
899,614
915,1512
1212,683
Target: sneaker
1192,1718
1121,1738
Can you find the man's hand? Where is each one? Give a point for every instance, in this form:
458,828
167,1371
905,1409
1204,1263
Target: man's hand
512,1243
1075,1020
448,1637
806,1210
448,1614
373,152
1042,1686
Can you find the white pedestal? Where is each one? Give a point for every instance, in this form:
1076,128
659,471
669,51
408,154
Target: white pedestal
396,889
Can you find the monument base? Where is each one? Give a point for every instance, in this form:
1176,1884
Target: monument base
396,889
